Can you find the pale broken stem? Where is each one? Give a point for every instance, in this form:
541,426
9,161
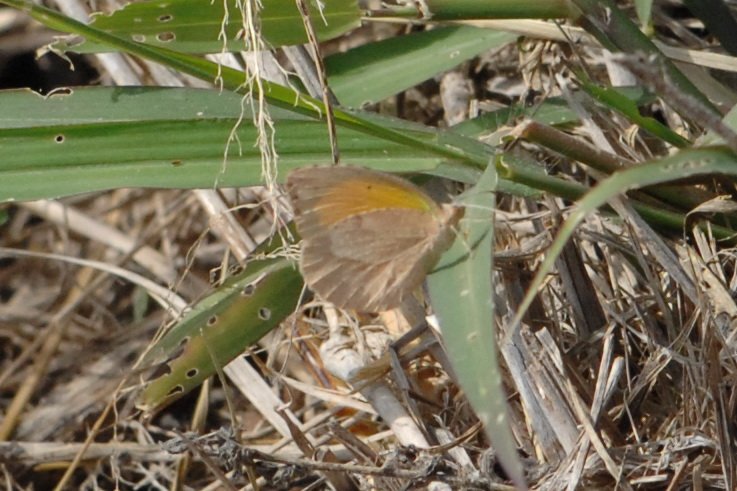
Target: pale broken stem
342,358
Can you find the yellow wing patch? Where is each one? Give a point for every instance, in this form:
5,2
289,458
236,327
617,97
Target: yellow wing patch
328,195
362,195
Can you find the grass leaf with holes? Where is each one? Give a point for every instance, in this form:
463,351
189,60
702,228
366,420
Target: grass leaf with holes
220,327
193,26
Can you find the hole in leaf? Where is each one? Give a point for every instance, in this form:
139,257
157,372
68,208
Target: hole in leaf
162,370
212,320
192,373
178,389
248,290
177,352
59,138
264,314
214,276
166,37
165,18
61,91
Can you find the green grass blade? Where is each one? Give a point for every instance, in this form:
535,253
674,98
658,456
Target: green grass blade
462,297
553,111
375,71
644,10
101,138
614,99
495,9
222,326
194,26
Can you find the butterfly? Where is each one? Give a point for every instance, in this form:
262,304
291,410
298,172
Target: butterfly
368,238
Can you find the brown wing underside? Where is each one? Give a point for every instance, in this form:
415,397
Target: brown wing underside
370,261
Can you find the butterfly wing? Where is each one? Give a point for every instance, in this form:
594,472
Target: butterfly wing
368,237
364,264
